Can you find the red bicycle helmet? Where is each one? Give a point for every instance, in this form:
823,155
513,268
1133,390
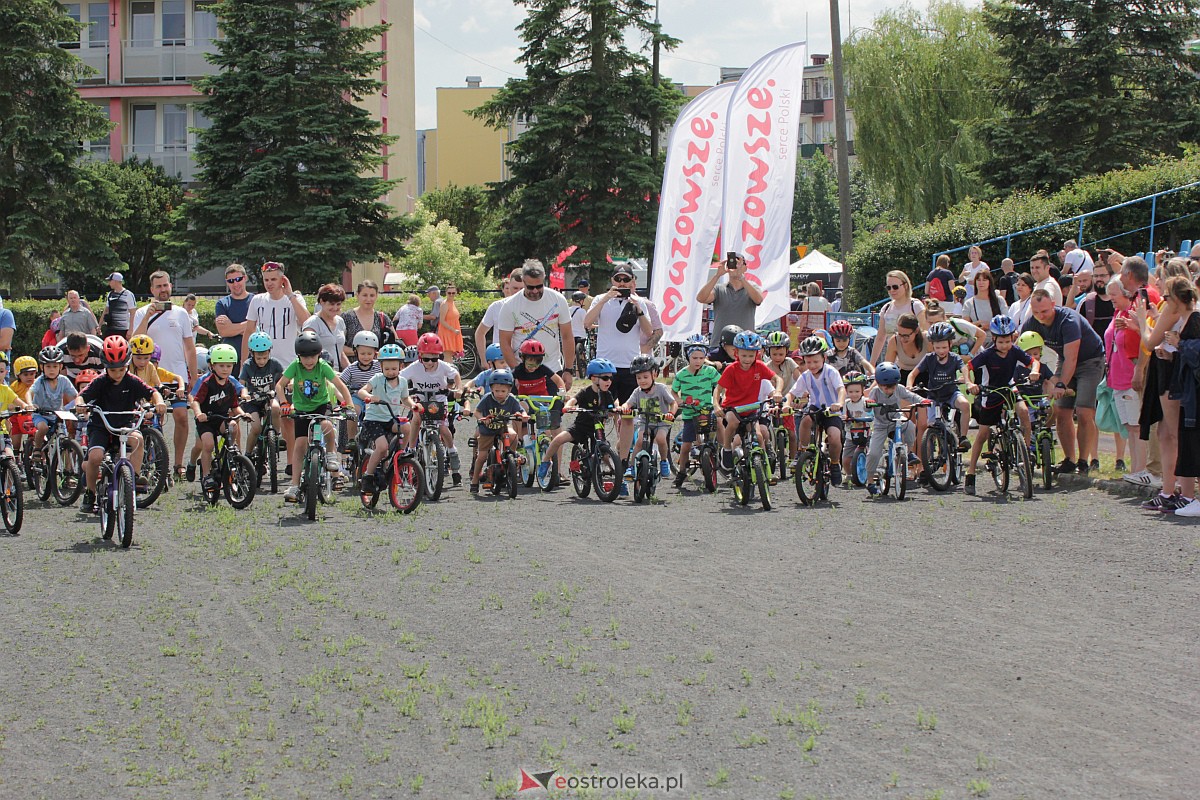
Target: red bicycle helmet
85,377
115,351
430,343
532,347
842,329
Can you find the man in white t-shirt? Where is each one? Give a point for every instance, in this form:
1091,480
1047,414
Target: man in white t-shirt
1075,259
170,327
1039,268
508,287
538,312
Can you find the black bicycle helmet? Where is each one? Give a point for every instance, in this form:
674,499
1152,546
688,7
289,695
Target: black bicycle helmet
727,334
307,344
642,364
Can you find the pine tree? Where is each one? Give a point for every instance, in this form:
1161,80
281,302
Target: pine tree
287,166
582,173
52,214
1094,85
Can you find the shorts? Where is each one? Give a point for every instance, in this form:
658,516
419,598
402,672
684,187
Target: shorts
21,424
372,429
302,424
691,429
832,422
931,413
208,426
178,404
38,419
1129,406
482,431
99,437
987,416
359,404
254,408
1088,375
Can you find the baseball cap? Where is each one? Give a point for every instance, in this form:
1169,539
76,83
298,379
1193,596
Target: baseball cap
582,282
116,276
432,289
624,269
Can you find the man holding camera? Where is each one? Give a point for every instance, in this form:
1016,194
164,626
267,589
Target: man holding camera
622,318
733,301
171,329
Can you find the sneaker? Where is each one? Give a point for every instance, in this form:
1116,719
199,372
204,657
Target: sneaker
207,483
367,485
292,495
679,479
1095,465
835,475
1174,503
664,469
453,463
1142,478
189,474
873,488
88,506
628,472
1081,467
964,444
1120,466
623,490
474,488
913,460
1156,503
726,459
332,463
1192,509
1066,467
969,484
543,469
456,479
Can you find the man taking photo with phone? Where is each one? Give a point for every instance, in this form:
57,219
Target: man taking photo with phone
733,300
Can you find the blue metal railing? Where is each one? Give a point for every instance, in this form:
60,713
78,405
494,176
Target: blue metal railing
1080,219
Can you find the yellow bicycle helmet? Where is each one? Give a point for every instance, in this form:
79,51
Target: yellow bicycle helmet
23,363
141,345
1029,340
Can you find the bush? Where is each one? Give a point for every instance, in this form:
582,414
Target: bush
911,247
32,315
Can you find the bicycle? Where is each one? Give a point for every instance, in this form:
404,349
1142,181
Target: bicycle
431,451
594,464
858,439
540,406
812,462
939,448
1008,453
399,470
704,455
231,471
751,465
644,457
155,474
316,480
893,471
502,470
264,452
1041,418
61,467
780,440
115,485
12,496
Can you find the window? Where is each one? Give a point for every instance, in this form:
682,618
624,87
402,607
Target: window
174,23
72,10
141,28
97,25
204,22
145,129
175,126
200,120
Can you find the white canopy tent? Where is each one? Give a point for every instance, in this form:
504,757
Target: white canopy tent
816,264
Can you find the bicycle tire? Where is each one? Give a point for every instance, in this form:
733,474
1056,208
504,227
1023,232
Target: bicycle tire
272,453
126,500
606,472
581,479
899,471
327,488
708,468
758,465
239,481
107,519
12,501
998,466
935,454
822,476
310,489
803,475
782,446
33,475
641,478
68,479
46,474
512,475
434,459
156,466
546,482
406,487
369,499
1046,454
858,467
1023,465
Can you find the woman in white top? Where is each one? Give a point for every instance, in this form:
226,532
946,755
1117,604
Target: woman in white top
408,320
814,306
1020,310
986,302
972,268
329,325
899,289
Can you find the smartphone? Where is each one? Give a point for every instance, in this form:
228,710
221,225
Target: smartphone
624,291
1144,295
731,260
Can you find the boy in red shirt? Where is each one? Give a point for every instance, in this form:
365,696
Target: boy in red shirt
740,385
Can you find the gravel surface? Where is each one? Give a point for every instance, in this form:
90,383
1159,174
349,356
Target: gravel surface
946,646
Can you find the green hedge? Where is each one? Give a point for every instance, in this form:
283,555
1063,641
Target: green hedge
911,247
32,315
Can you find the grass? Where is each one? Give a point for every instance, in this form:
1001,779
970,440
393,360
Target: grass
926,720
978,787
720,778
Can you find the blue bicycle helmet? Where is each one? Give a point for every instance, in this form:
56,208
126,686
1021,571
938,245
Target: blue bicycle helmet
259,342
391,352
500,376
1002,325
692,347
493,353
410,354
943,332
887,374
600,366
747,340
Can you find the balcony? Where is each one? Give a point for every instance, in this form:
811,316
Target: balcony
167,59
814,107
174,159
95,57
97,152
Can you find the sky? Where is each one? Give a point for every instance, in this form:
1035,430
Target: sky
478,37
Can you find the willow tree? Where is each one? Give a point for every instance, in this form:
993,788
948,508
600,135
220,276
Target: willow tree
919,85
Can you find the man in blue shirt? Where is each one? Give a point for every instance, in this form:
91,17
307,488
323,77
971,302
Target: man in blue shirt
231,309
1080,367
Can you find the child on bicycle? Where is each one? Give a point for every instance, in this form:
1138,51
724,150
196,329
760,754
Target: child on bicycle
842,356
777,344
942,371
854,412
890,395
693,387
52,391
593,402
259,374
316,385
739,386
385,394
655,398
21,425
994,368
216,394
115,391
358,374
433,379
533,378
494,356
725,353
499,398
969,338
820,385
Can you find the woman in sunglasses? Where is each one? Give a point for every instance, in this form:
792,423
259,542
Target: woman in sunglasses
899,289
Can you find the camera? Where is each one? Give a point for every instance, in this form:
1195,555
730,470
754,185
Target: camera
624,291
731,260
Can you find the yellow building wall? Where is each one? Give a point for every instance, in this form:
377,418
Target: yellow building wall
467,151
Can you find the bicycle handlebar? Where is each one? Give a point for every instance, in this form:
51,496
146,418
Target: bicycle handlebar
141,414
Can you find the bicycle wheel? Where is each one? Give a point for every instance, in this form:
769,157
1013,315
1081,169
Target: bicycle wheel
581,480
212,492
546,482
513,475
938,463
822,477
433,454
758,465
806,488
45,471
272,454
641,477
899,470
369,499
313,467
104,501
327,488
1046,456
406,488
239,481
33,472
156,466
12,503
708,467
858,467
998,464
1022,465
606,472
781,453
68,472
125,503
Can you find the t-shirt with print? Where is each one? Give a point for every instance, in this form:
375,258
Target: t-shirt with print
169,329
311,388
847,362
489,405
855,409
941,377
392,396
523,316
696,386
822,388
491,320
991,370
656,401
260,380
537,382
215,397
53,395
741,385
277,319
430,384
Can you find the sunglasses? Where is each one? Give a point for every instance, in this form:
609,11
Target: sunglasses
622,278
430,360
535,289
238,279
603,377
272,266
893,287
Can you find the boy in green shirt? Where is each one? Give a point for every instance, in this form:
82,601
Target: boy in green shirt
693,387
315,385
